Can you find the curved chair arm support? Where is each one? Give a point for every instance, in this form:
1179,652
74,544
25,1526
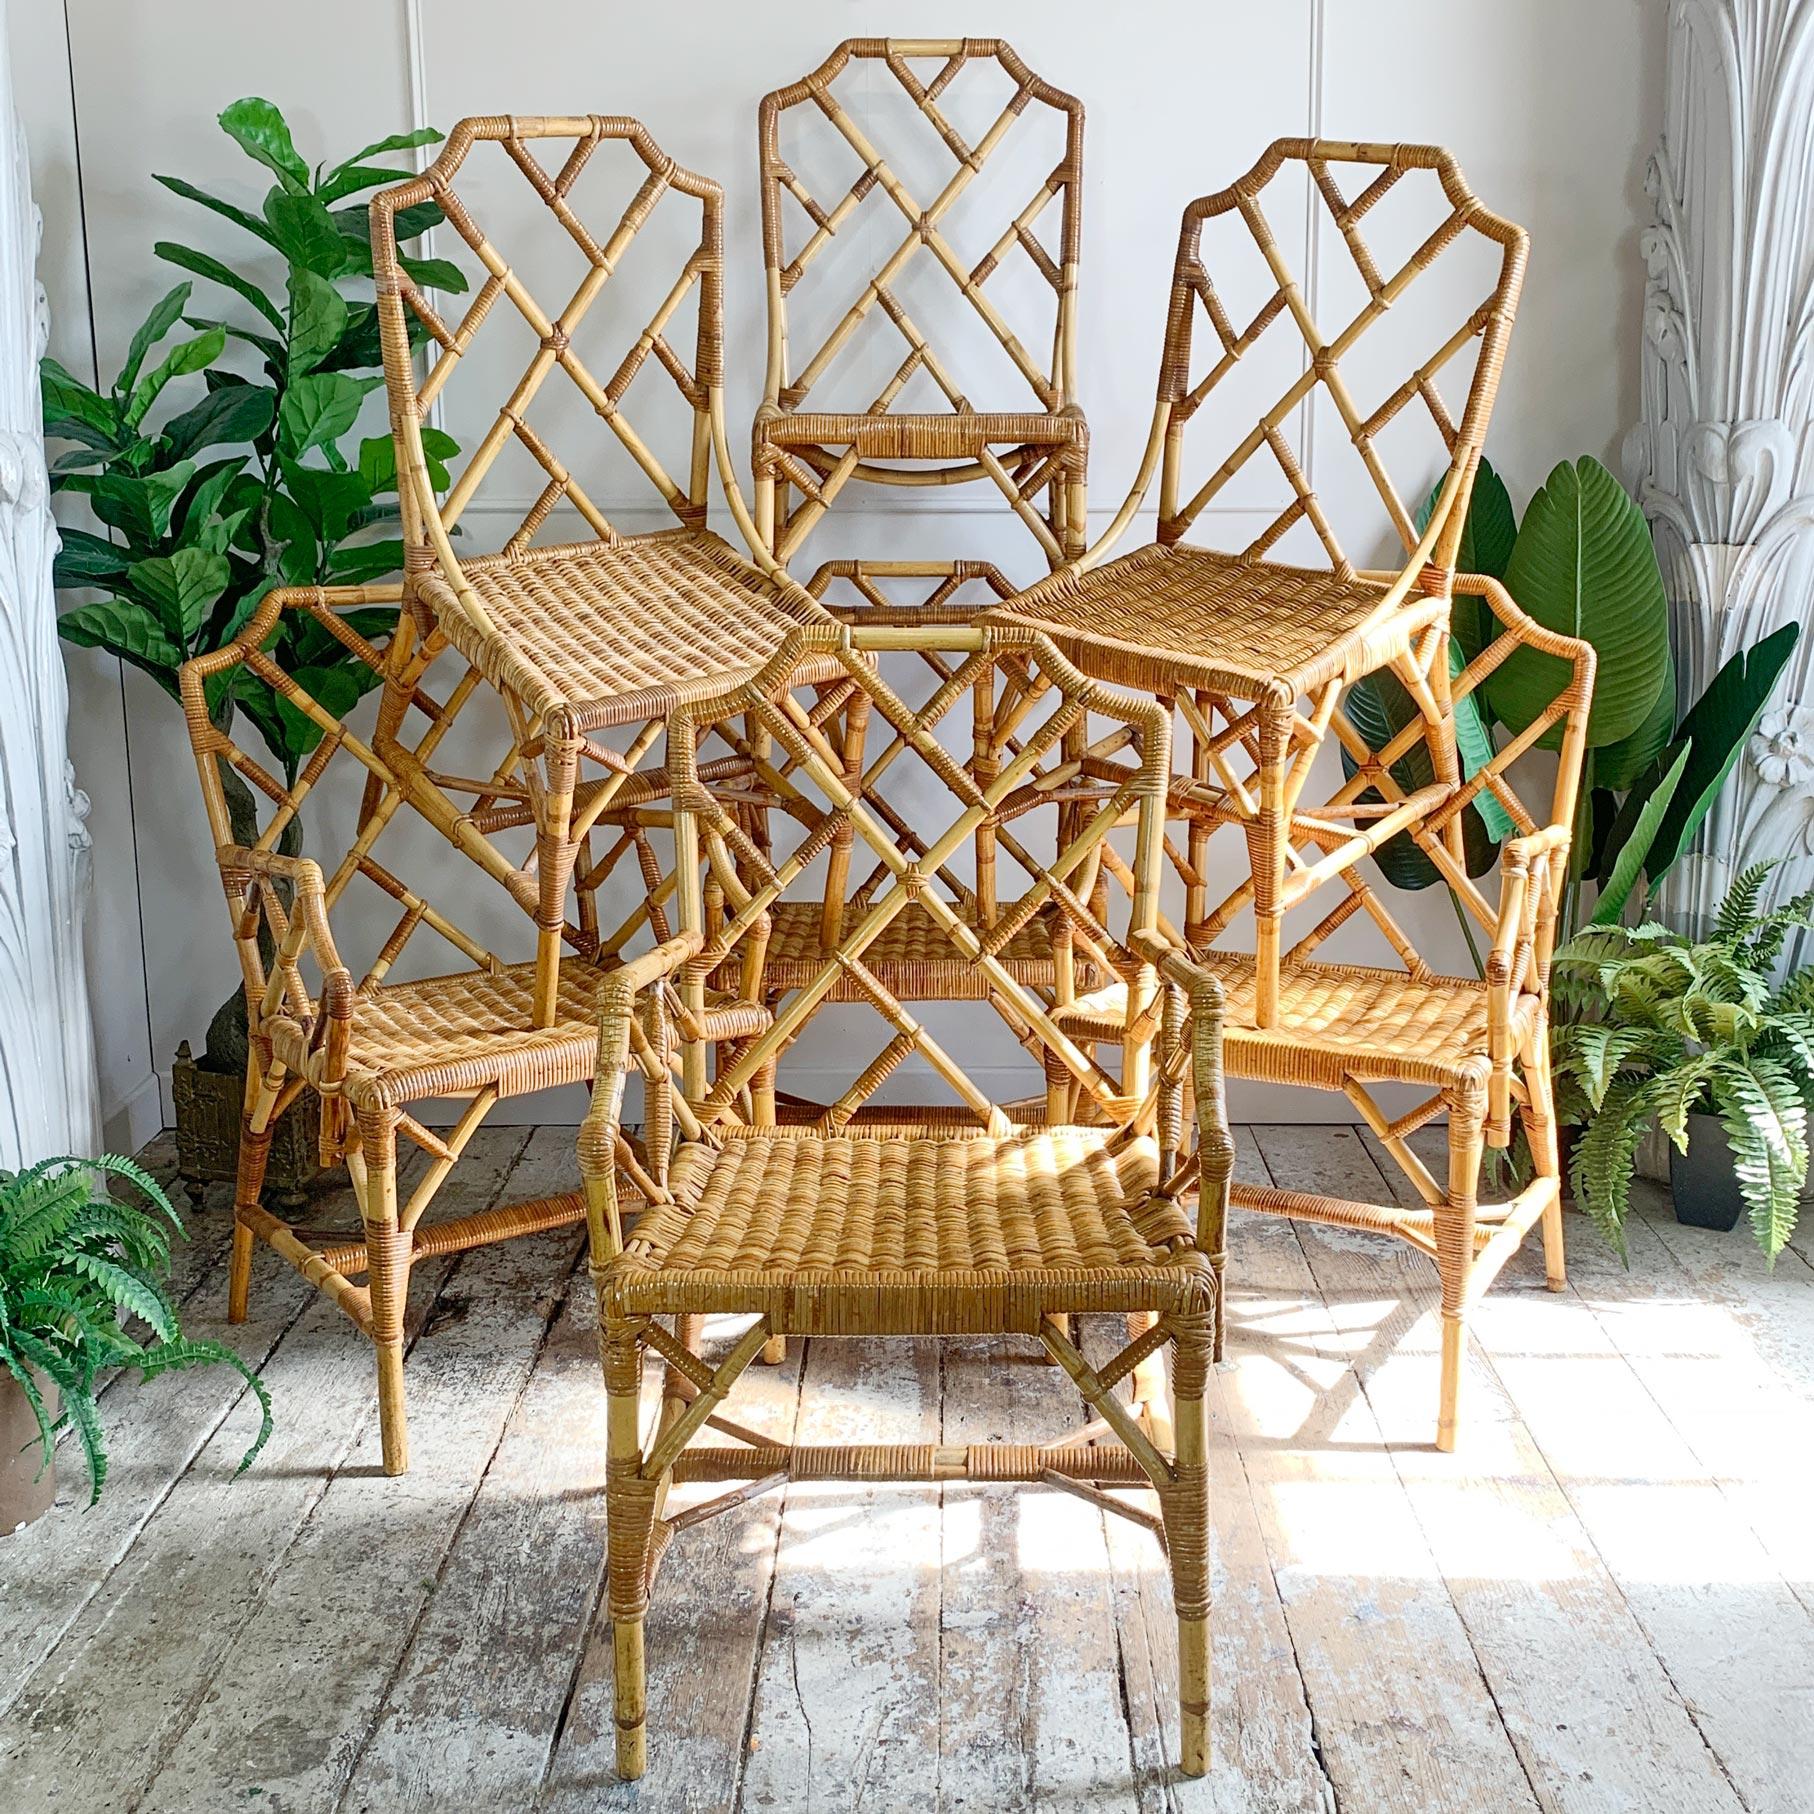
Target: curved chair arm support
1203,993
601,1135
307,930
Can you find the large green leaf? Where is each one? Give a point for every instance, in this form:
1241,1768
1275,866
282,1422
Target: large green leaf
127,630
188,259
180,587
216,205
165,313
74,412
261,133
317,319
303,230
1718,726
336,690
1619,764
1630,847
1378,707
185,357
328,499
316,410
1583,564
228,417
397,141
1489,529
140,508
87,560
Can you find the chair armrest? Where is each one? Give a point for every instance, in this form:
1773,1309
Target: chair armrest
601,1134
308,928
1206,999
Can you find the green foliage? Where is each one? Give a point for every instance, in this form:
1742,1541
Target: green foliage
247,485
80,1273
1665,1027
1583,564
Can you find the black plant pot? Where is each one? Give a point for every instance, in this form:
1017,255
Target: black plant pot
1704,1180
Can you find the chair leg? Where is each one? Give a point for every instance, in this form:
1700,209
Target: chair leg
629,1526
387,1253
1455,1250
1185,1505
1546,1157
254,1155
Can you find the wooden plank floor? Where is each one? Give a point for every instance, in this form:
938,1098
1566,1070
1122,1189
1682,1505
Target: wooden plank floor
1605,1602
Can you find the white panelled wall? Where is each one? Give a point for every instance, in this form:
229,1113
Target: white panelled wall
1551,106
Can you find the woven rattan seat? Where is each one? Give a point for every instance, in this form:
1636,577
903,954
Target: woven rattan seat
1336,1021
913,958
619,632
928,1236
900,436
1170,616
446,1035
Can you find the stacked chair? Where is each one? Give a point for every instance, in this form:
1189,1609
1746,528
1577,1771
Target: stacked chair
647,740
1261,659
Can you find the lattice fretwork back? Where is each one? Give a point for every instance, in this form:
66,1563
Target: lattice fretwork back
1346,183
449,342
929,73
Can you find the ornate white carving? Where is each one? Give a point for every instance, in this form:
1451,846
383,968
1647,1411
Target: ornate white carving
48,1098
1723,459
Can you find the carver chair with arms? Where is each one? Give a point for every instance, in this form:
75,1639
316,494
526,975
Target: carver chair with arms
845,1229
372,1046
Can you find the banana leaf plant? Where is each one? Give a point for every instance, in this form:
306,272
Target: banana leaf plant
246,483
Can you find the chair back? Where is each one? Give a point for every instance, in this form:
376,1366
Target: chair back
597,343
1353,368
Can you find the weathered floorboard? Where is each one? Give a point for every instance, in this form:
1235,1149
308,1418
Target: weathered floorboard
1600,1602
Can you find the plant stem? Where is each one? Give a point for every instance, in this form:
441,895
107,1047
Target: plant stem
1467,932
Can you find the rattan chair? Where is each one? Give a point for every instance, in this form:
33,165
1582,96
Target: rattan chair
806,442
580,639
831,1232
1256,652
370,1048
1479,1046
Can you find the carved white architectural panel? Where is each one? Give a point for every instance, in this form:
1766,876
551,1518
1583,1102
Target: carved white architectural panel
48,1099
1723,459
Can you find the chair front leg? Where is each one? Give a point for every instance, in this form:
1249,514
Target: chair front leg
1185,1506
1455,1221
387,1255
254,1154
630,1503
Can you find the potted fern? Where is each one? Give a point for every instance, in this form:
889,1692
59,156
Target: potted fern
1700,1039
82,1293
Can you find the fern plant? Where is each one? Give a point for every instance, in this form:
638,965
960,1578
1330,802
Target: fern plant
82,1292
1667,1027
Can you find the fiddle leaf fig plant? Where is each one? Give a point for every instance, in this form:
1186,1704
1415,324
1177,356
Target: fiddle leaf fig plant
82,1292
216,460
1663,1027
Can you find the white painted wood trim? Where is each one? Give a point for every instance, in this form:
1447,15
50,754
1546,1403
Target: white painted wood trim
49,1101
1723,456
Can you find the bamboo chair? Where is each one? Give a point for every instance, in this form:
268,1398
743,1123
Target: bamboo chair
1478,1046
1255,652
829,1232
579,639
371,1048
1036,449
